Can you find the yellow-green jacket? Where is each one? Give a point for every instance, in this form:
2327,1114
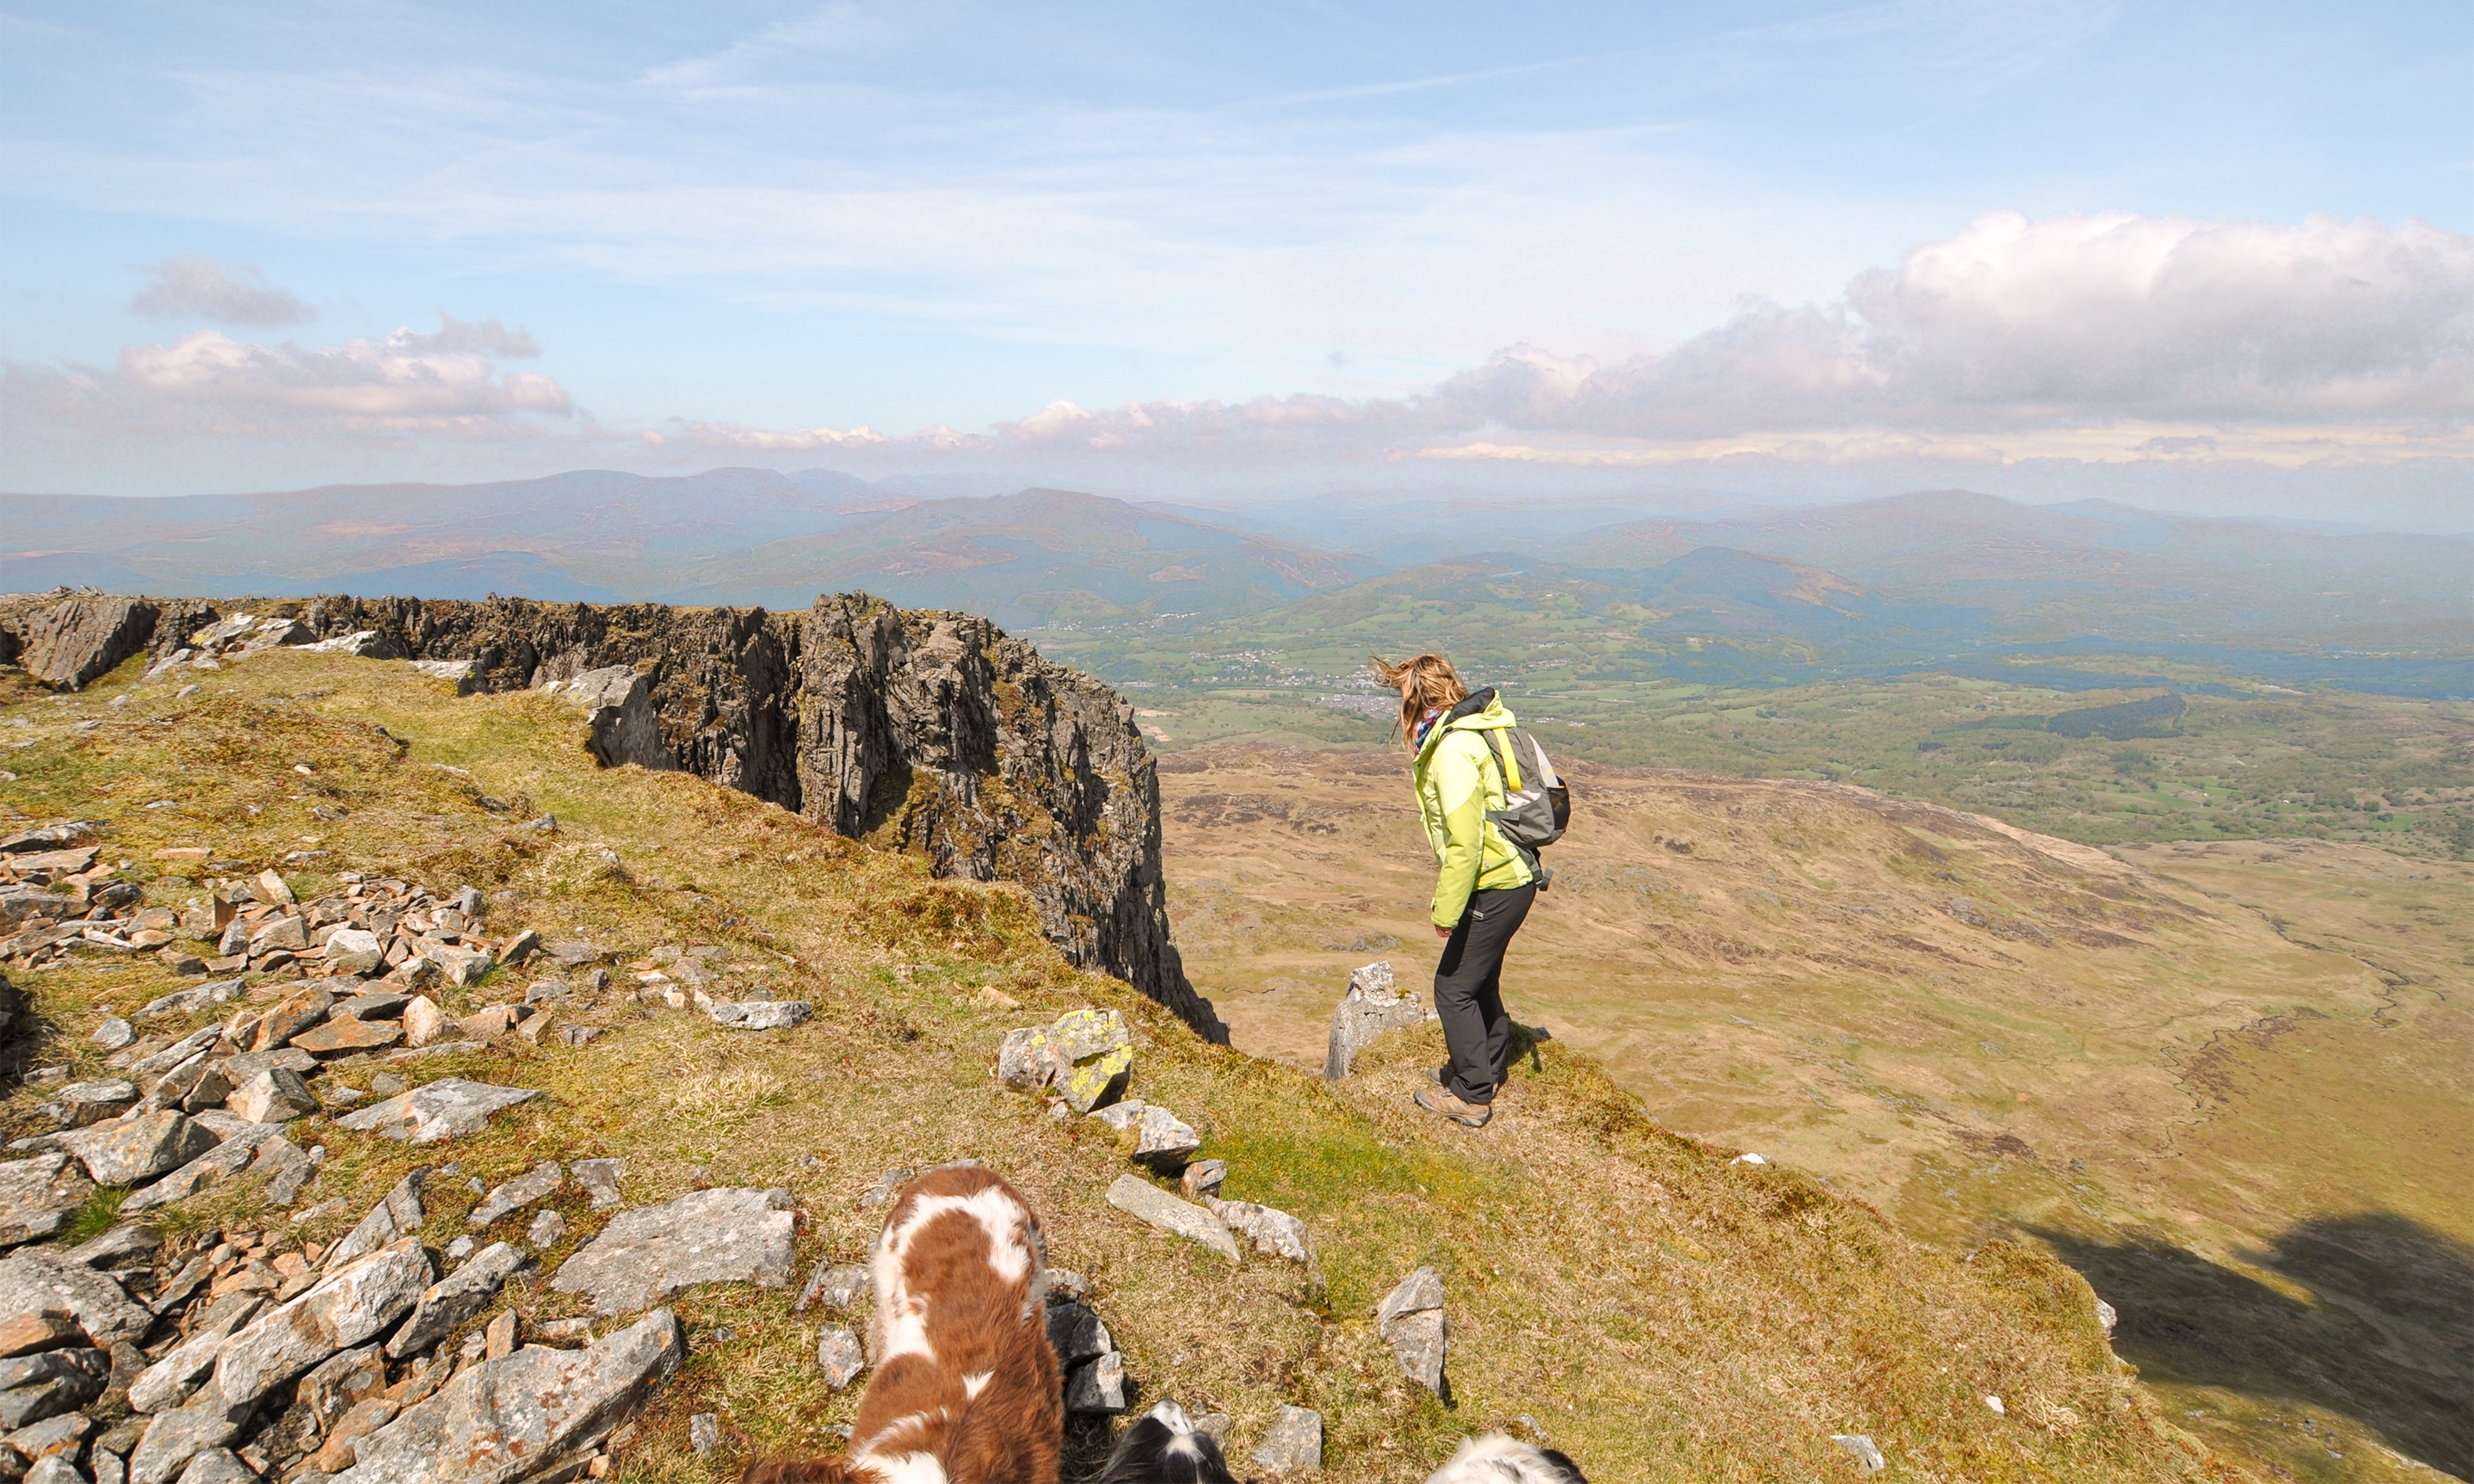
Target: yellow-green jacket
1457,782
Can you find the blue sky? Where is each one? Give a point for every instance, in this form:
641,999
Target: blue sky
736,233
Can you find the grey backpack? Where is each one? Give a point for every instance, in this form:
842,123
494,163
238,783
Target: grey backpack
1534,814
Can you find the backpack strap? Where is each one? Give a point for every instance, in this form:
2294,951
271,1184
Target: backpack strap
1538,872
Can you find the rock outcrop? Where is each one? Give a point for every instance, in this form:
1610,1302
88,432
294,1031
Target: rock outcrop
921,730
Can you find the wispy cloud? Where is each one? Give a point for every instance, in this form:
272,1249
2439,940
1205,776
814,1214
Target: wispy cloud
191,286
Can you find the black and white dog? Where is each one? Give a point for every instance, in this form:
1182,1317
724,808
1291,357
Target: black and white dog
1163,1447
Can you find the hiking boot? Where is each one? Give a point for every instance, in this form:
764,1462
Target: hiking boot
1438,1100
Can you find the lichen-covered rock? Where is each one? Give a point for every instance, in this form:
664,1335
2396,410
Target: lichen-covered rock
89,1103
397,1215
220,1162
1369,1007
761,1014
169,1381
710,1236
1088,1056
599,1179
446,1109
540,1183
275,1096
353,950
38,1195
524,1414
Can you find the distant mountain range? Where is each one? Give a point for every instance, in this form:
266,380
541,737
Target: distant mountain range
1894,580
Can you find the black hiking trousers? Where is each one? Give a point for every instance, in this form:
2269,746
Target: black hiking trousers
1468,990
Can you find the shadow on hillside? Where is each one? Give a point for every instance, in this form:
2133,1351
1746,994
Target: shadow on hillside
2388,1340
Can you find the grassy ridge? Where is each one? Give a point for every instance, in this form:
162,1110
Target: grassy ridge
1665,1314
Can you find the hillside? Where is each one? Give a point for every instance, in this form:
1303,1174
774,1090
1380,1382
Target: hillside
1665,1313
2224,1079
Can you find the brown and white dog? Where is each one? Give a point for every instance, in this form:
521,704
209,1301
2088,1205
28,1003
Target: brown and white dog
966,1389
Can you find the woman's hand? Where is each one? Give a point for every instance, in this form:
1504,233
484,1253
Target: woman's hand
1443,933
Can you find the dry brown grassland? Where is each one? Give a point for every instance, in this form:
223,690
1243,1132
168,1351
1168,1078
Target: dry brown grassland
2228,1081
1661,1313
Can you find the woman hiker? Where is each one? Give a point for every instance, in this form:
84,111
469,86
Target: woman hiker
1485,886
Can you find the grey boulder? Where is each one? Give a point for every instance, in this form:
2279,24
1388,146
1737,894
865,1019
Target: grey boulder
446,1109
1077,1334
710,1236
524,1414
176,1437
38,1195
93,1102
599,1179
128,1150
761,1014
1370,1007
169,1381
1274,1232
1293,1442
1097,1387
1164,1142
37,1282
1411,1321
840,1356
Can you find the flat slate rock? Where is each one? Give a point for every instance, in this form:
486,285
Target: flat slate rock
355,1304
524,1414
33,1283
348,1036
37,1196
711,1236
1144,1201
446,1109
129,1150
539,1183
456,1298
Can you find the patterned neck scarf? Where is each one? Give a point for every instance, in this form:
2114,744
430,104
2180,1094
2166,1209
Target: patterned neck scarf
1426,723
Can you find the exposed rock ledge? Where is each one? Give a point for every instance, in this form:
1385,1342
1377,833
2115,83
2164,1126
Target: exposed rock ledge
916,730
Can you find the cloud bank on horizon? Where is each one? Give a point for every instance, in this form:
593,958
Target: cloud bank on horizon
1194,259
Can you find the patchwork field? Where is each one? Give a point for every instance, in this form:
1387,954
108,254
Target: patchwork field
2227,1080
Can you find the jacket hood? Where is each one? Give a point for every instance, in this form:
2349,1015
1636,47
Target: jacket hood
1481,710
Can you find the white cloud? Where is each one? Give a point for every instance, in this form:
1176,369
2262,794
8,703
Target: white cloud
2014,324
192,285
406,375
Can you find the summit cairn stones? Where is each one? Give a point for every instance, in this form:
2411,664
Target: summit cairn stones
1411,1321
1372,1006
1088,1056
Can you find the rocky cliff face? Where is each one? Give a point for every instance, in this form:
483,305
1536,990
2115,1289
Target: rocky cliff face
913,729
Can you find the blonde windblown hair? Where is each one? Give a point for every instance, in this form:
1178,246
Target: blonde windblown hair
1424,682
